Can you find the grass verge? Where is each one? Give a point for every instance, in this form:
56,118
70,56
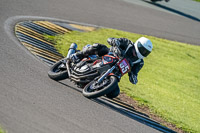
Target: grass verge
197,0
169,83
2,131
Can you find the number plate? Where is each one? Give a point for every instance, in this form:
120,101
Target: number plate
124,66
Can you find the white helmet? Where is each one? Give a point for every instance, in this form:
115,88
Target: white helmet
143,47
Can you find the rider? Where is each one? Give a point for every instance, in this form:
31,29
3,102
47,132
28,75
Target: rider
135,54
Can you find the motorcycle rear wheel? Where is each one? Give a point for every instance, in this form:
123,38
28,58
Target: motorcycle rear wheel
94,90
57,73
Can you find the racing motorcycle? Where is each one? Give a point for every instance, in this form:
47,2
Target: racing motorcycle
159,0
97,76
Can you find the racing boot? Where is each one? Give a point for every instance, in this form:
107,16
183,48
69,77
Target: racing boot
76,57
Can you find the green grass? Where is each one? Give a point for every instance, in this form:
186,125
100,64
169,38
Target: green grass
197,0
169,83
2,131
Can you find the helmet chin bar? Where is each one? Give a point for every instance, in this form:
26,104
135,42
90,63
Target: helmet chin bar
137,51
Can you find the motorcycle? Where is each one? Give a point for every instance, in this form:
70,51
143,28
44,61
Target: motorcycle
97,76
159,0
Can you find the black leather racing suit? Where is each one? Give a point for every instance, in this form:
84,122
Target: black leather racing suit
118,46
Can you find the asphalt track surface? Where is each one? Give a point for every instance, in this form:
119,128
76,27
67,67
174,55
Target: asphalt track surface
31,102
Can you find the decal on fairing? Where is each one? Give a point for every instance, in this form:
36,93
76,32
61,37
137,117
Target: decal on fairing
107,59
124,66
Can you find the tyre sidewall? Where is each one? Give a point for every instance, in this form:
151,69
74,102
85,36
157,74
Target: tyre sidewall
57,76
109,88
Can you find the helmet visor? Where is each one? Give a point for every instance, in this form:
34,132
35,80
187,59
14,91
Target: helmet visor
144,52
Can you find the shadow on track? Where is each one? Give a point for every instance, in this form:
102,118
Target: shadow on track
126,110
173,10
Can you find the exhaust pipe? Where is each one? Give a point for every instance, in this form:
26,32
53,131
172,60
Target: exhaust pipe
71,51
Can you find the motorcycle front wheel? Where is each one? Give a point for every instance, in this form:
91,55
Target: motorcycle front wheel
94,89
58,72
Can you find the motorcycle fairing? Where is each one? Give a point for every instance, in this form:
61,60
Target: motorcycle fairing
107,59
88,69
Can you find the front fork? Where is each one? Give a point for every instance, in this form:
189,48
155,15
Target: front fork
106,74
71,51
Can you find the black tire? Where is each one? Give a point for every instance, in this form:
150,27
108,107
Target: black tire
114,93
155,0
112,82
57,74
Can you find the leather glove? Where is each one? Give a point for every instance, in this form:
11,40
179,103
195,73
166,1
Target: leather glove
133,79
116,42
113,42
